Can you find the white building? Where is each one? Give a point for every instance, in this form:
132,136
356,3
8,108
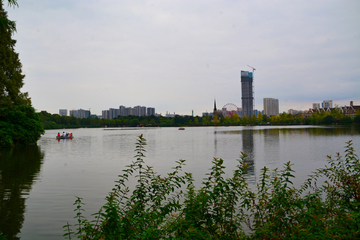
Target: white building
63,112
316,105
271,106
327,104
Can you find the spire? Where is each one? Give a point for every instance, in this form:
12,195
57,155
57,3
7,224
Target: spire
215,105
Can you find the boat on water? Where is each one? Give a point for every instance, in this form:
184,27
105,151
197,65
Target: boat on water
181,128
66,137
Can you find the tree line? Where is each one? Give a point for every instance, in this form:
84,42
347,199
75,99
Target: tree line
55,121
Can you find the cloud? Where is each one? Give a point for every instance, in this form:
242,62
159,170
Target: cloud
180,55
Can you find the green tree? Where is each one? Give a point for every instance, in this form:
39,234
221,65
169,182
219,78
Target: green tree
216,120
253,118
134,122
5,23
328,119
19,124
11,77
265,118
260,117
234,119
357,119
196,121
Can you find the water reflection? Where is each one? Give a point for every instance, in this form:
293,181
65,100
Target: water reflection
248,148
18,168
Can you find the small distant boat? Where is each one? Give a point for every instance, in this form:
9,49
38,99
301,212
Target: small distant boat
181,128
66,137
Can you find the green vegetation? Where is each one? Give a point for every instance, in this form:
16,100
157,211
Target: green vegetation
55,121
169,207
19,124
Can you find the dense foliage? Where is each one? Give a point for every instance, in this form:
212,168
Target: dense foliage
169,207
55,121
19,124
11,77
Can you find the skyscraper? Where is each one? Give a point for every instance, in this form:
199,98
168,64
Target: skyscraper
271,106
247,97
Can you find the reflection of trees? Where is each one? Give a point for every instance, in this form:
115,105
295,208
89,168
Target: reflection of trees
18,167
320,131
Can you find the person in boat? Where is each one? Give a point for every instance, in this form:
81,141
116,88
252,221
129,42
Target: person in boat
64,135
58,134
70,134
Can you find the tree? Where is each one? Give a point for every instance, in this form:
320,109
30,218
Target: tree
260,117
19,124
5,23
328,119
265,118
11,77
234,118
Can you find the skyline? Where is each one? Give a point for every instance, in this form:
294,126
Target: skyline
179,56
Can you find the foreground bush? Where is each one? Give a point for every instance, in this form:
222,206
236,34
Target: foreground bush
171,208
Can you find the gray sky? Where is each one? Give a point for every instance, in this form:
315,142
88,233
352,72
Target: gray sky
178,56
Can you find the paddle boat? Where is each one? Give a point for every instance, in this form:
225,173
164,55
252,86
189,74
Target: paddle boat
64,136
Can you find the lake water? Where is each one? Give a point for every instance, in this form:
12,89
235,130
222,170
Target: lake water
38,184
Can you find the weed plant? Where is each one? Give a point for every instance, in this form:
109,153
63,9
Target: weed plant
170,207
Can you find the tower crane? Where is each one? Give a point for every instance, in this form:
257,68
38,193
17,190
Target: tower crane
253,86
252,68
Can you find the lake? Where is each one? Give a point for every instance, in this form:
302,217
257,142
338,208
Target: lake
38,184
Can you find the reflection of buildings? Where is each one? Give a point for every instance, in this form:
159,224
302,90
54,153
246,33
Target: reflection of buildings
247,98
18,168
248,148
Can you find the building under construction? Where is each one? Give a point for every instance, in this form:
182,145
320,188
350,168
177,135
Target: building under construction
247,94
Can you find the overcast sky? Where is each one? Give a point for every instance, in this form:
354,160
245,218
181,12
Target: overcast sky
179,56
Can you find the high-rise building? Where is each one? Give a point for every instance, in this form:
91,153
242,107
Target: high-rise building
247,94
105,114
271,106
140,111
327,104
87,113
316,105
122,110
143,111
63,112
150,111
73,113
81,113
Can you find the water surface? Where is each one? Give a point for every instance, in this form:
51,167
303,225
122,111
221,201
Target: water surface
38,184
